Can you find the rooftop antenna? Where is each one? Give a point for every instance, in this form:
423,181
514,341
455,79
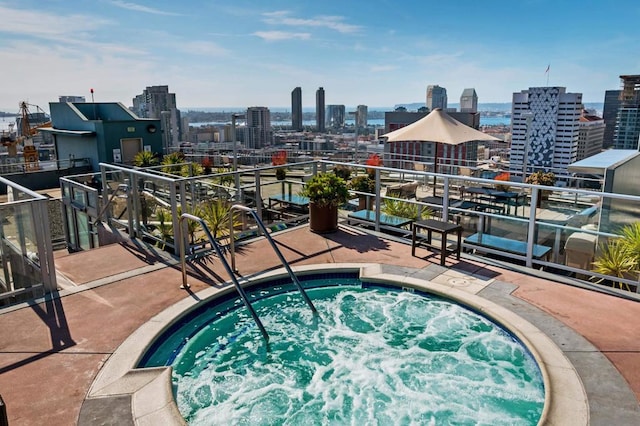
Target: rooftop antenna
547,73
95,113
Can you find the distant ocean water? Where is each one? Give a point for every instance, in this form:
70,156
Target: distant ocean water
484,121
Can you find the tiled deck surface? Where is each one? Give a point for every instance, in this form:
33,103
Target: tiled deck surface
51,352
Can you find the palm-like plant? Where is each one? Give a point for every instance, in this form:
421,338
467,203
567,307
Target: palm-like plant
165,229
145,159
192,226
191,169
173,163
616,261
405,209
216,214
631,241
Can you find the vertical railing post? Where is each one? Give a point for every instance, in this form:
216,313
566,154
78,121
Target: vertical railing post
377,227
445,200
258,195
531,233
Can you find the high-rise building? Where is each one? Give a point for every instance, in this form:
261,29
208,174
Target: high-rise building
436,97
612,103
151,103
469,101
296,109
361,116
627,130
545,126
335,116
258,133
72,99
590,136
320,110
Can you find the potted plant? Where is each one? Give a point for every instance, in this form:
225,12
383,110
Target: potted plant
326,192
362,183
281,173
342,171
544,179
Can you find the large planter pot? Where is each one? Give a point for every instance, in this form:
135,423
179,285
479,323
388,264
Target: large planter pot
362,202
323,219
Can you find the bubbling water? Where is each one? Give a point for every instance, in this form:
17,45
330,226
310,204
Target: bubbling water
372,356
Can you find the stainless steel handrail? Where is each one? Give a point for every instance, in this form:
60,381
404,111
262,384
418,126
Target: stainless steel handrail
273,245
224,262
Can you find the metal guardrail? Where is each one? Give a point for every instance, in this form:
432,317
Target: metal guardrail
273,245
218,250
232,269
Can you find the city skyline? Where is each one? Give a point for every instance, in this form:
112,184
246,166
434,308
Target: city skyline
215,54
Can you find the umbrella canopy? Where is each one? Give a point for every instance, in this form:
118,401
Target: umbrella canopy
439,127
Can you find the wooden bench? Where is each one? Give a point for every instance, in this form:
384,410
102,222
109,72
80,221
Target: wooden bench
507,245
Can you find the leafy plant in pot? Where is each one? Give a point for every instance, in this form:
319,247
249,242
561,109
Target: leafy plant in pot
542,178
326,192
362,183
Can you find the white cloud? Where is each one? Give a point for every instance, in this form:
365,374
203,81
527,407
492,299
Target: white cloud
202,48
335,23
383,68
140,8
46,25
281,35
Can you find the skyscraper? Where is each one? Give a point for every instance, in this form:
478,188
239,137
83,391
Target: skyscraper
296,109
436,97
335,116
545,127
151,103
627,130
320,110
612,103
258,133
361,116
590,137
469,101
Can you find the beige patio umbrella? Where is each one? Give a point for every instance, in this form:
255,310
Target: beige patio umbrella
439,127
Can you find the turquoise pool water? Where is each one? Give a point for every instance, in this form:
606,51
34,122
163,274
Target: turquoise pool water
372,356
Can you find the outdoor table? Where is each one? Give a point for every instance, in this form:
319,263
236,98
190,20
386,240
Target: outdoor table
442,228
297,201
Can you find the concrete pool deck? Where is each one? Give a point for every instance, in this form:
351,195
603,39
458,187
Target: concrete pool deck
50,352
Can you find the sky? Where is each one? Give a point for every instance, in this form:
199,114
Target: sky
254,53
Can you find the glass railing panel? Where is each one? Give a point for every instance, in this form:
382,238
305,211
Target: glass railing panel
20,260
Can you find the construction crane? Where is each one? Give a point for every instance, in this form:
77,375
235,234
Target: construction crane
27,130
